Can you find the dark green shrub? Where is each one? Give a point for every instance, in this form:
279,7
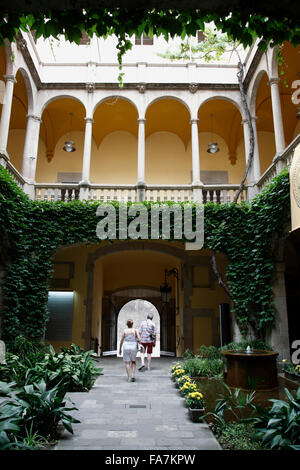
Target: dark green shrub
209,352
203,367
188,354
239,436
76,372
279,427
233,405
39,410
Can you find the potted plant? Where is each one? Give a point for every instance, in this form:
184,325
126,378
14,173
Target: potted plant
177,373
187,387
195,404
181,380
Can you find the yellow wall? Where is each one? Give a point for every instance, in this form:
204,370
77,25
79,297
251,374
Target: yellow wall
267,151
202,332
207,298
116,159
78,284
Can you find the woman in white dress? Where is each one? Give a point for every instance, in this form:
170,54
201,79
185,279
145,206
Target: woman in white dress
130,339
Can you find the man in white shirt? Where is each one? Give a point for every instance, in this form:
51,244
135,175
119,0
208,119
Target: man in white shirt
148,333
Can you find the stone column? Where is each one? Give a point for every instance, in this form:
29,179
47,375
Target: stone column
278,338
277,115
86,160
87,150
6,112
141,185
196,183
30,152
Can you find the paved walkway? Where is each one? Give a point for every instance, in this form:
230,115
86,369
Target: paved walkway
146,414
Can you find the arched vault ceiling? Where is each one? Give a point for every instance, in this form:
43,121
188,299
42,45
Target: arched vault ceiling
56,120
171,116
114,114
226,121
19,104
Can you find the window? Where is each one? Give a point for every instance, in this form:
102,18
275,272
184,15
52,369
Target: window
60,306
143,41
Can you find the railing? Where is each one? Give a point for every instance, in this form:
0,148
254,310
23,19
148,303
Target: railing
17,177
123,193
280,161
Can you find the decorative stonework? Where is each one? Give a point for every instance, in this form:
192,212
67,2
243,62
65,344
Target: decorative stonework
141,87
49,155
193,87
90,87
232,157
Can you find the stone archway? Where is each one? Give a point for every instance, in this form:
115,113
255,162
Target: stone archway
137,310
165,318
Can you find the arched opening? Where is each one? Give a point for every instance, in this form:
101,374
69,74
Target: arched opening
264,124
137,310
115,130
168,153
62,120
220,122
288,71
17,127
99,280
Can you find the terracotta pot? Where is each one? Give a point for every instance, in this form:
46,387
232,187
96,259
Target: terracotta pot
196,414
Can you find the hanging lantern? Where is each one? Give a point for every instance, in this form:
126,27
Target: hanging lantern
212,146
69,144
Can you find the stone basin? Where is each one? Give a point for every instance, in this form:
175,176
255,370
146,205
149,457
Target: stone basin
256,369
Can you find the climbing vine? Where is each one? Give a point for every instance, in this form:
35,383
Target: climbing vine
31,232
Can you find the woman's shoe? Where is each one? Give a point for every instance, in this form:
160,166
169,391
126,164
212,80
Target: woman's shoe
133,379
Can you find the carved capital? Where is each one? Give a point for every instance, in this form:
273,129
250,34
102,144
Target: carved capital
34,117
141,120
273,80
10,78
193,87
89,120
194,121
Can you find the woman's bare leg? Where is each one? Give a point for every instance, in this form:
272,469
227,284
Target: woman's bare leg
127,367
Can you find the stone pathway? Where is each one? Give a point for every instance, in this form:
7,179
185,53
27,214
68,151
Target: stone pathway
146,414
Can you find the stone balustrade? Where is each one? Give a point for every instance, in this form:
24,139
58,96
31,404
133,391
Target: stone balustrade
280,161
125,193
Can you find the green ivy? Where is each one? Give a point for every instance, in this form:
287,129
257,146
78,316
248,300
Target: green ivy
32,231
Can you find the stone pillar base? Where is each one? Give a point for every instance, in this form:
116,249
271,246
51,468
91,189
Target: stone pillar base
84,191
29,189
140,191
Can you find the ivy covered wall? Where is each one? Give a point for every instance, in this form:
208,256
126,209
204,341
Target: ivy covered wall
32,231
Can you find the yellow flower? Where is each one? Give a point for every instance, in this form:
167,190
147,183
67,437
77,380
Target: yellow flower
284,360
